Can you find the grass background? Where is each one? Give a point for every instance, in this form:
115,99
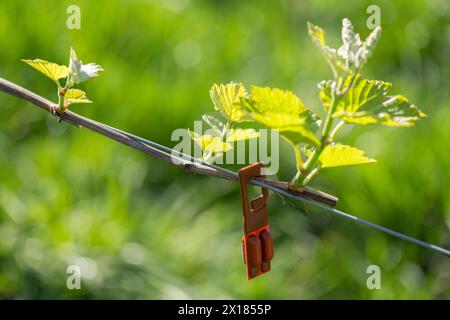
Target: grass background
140,228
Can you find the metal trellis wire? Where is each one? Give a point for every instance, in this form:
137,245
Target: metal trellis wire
309,196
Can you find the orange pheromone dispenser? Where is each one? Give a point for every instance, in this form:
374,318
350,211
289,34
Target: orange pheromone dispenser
257,243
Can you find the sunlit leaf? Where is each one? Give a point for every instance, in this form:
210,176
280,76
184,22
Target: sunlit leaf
341,155
273,100
317,34
367,102
290,127
285,112
76,96
50,69
227,98
241,134
210,143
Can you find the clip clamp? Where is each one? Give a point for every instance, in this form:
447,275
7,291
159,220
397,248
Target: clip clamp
257,243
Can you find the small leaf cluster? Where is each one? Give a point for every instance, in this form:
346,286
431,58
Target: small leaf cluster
75,73
347,98
226,99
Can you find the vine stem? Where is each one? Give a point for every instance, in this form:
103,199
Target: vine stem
311,175
298,157
61,95
300,178
309,169
336,129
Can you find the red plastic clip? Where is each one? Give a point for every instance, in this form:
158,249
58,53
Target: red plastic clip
257,243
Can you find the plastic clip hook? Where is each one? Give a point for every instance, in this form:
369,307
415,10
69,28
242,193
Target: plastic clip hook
257,243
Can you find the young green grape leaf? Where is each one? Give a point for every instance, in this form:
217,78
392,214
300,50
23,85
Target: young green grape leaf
52,70
215,124
80,72
227,98
76,96
290,127
367,102
336,62
210,143
283,111
338,155
241,134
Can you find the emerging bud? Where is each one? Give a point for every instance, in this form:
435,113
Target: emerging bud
78,72
348,35
368,47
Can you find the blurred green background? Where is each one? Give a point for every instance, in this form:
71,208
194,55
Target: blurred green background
140,228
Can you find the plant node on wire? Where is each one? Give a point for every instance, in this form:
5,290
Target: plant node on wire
347,99
74,74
